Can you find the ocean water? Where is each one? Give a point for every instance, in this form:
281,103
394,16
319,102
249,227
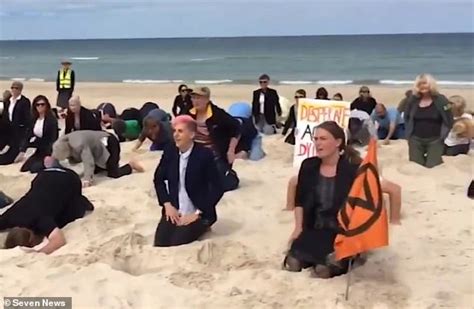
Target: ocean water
361,59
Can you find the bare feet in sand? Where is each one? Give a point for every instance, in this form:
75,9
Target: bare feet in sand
136,166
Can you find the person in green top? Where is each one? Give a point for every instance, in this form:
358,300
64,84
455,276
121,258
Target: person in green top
126,130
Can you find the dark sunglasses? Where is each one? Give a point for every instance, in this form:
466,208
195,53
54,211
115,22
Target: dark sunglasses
14,88
40,104
298,97
184,90
365,91
263,81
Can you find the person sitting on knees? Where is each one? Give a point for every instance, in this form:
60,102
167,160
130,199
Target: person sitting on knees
218,131
323,186
459,138
80,118
97,150
188,187
54,200
250,142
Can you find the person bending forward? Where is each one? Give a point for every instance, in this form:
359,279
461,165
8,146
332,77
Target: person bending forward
192,191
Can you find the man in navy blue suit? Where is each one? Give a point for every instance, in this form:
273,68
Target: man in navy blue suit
188,187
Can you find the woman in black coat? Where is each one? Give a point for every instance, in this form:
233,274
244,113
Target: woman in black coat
42,134
291,120
81,118
182,102
323,186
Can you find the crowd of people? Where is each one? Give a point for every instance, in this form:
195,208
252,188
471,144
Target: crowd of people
200,142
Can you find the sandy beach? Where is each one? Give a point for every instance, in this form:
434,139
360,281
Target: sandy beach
109,261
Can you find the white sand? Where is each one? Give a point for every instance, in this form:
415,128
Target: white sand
109,262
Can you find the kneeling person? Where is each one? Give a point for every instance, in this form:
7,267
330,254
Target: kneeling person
54,200
97,150
192,191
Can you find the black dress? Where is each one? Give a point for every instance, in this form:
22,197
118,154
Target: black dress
321,199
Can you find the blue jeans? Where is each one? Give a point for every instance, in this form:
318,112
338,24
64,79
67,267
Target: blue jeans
398,134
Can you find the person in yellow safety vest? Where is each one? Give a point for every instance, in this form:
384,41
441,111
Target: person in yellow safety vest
65,82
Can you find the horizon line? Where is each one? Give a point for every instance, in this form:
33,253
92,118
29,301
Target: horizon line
239,36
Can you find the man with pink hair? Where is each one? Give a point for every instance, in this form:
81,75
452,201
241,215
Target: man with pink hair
187,185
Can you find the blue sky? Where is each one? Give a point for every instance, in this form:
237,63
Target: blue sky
79,19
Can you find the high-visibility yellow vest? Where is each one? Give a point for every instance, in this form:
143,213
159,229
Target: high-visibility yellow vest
65,79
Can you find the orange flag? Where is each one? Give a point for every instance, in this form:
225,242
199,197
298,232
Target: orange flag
363,218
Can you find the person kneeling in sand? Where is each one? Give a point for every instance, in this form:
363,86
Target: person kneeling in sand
54,200
97,150
188,187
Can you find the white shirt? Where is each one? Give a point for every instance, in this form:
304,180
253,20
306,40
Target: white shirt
261,100
38,128
186,206
452,139
11,108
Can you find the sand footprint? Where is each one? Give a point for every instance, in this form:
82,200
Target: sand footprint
192,280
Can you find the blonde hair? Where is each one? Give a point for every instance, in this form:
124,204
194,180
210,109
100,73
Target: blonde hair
458,105
429,79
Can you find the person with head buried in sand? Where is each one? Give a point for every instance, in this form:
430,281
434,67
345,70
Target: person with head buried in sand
54,200
323,186
188,187
97,150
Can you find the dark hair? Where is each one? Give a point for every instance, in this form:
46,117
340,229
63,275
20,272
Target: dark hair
181,87
409,93
338,133
322,92
302,92
264,77
34,112
23,237
338,94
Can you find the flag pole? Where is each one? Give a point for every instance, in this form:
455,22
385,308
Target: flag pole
348,279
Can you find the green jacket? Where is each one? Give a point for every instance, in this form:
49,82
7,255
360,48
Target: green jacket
441,103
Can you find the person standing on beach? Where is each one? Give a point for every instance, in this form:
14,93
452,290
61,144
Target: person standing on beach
188,187
365,102
17,117
266,106
291,123
65,82
428,121
218,131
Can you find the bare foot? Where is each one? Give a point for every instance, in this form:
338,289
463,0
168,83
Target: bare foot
395,222
136,166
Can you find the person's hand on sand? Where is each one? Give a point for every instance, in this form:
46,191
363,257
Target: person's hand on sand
86,183
386,141
171,213
136,166
188,219
20,157
395,222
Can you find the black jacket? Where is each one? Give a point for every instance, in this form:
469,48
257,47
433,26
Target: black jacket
442,105
202,180
271,106
222,127
248,134
88,121
306,191
180,106
20,124
50,135
290,124
366,106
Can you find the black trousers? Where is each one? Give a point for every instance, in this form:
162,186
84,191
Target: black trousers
456,150
13,137
168,234
114,170
35,163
